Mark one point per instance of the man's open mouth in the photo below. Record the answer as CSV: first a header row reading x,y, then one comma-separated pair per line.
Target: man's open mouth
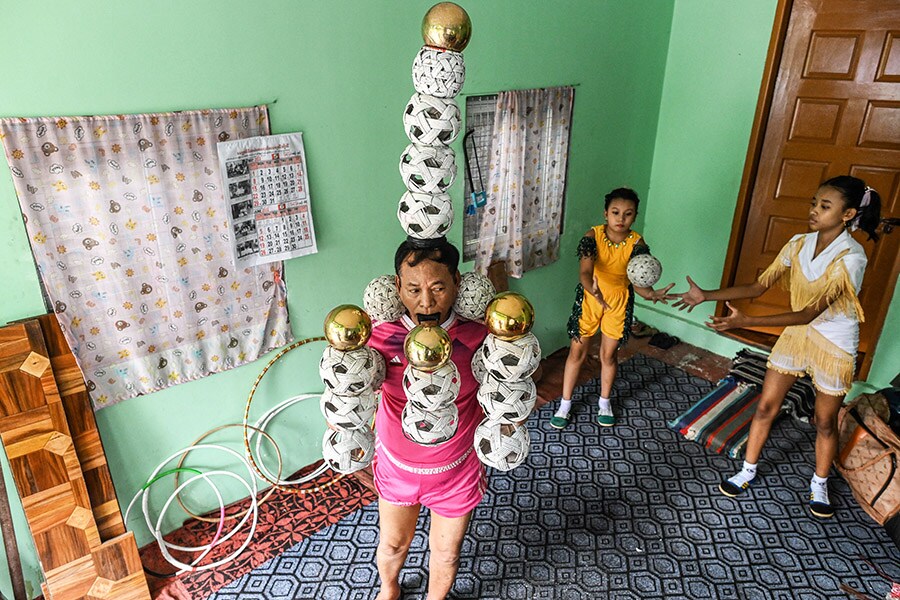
x,y
436,317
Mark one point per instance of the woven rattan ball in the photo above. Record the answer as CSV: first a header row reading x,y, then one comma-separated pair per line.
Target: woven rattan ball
x,y
428,169
511,360
347,373
381,299
431,121
348,451
501,446
438,73
432,390
425,216
429,427
475,293
507,401
644,270
348,412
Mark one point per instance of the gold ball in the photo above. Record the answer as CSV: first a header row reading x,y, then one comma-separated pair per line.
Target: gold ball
x,y
509,316
347,327
446,25
427,347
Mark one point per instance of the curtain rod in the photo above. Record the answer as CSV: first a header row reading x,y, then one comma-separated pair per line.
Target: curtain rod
x,y
574,85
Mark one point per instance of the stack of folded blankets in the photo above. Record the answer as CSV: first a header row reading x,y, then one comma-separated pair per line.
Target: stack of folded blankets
x,y
721,419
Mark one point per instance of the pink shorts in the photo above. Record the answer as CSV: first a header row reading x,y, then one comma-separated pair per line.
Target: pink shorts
x,y
450,493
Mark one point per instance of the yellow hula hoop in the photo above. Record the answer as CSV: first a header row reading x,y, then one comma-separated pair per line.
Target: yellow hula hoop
x,y
246,427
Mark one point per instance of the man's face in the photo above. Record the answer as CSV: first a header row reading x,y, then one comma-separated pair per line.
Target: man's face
x,y
427,290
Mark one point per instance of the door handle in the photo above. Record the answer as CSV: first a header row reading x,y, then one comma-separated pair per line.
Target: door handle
x,y
888,224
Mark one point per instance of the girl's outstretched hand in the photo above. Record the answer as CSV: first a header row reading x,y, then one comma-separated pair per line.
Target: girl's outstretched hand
x,y
689,299
597,294
734,320
661,295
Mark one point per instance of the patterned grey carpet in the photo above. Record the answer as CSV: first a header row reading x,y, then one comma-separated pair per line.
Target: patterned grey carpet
x,y
631,511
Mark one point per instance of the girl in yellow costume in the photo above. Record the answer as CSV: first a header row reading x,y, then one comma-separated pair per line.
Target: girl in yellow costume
x,y
604,299
823,270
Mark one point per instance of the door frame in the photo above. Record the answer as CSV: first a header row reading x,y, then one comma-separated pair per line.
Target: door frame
x,y
751,170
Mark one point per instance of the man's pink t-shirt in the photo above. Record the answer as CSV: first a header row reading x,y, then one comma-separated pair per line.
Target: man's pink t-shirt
x,y
387,338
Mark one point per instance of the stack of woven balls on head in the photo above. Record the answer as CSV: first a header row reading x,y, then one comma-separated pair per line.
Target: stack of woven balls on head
x,y
503,365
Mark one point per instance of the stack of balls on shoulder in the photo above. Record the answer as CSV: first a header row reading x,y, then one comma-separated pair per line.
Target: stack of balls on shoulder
x,y
503,365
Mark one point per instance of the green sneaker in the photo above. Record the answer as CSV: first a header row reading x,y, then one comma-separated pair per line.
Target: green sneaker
x,y
558,422
606,419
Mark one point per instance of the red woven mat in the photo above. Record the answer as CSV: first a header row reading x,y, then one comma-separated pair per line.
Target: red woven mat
x,y
284,520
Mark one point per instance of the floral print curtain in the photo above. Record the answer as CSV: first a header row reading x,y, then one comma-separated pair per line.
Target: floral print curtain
x,y
127,223
526,181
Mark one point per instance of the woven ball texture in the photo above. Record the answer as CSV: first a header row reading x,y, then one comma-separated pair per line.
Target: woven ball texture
x,y
475,292
381,299
347,372
644,270
501,446
511,360
507,401
429,427
438,73
348,412
348,451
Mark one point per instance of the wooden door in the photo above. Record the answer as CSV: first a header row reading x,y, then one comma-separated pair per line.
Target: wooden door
x,y
834,110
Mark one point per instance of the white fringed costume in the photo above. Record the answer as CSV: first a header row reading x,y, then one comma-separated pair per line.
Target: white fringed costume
x,y
826,347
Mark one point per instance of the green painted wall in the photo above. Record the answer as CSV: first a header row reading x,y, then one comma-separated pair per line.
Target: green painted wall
x,y
340,72
713,73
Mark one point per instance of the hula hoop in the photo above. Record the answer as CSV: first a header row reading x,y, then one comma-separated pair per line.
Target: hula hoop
x,y
262,500
246,425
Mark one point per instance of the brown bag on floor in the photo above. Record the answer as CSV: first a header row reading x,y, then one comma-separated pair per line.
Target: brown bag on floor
x,y
869,456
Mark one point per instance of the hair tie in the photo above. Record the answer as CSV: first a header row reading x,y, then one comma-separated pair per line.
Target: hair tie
x,y
866,199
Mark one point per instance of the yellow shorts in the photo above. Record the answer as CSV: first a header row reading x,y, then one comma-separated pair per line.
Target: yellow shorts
x,y
801,349
610,322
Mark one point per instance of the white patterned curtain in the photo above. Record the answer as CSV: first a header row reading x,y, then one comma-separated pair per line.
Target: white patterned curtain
x,y
526,183
127,222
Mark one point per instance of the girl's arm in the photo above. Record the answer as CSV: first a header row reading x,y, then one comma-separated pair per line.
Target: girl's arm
x,y
695,295
589,281
660,295
587,253
736,319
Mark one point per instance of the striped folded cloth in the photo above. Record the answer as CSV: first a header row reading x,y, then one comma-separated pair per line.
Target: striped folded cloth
x,y
721,419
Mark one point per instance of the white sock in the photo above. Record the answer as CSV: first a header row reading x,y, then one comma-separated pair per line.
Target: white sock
x,y
564,407
818,488
604,406
745,475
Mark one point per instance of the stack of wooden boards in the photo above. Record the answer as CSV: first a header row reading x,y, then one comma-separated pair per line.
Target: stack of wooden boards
x,y
48,430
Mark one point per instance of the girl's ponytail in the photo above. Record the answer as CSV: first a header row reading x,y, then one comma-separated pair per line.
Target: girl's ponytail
x,y
864,199
869,216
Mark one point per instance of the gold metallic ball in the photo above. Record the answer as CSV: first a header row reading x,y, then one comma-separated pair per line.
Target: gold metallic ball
x,y
446,25
509,316
347,327
427,347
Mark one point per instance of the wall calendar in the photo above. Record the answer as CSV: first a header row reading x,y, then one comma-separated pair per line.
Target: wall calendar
x,y
267,192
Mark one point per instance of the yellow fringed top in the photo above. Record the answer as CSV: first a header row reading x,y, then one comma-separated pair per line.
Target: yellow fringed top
x,y
834,285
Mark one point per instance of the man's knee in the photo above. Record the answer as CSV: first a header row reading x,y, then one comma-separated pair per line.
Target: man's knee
x,y
394,545
445,556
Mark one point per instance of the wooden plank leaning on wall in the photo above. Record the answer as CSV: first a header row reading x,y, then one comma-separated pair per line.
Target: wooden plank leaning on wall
x,y
48,431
